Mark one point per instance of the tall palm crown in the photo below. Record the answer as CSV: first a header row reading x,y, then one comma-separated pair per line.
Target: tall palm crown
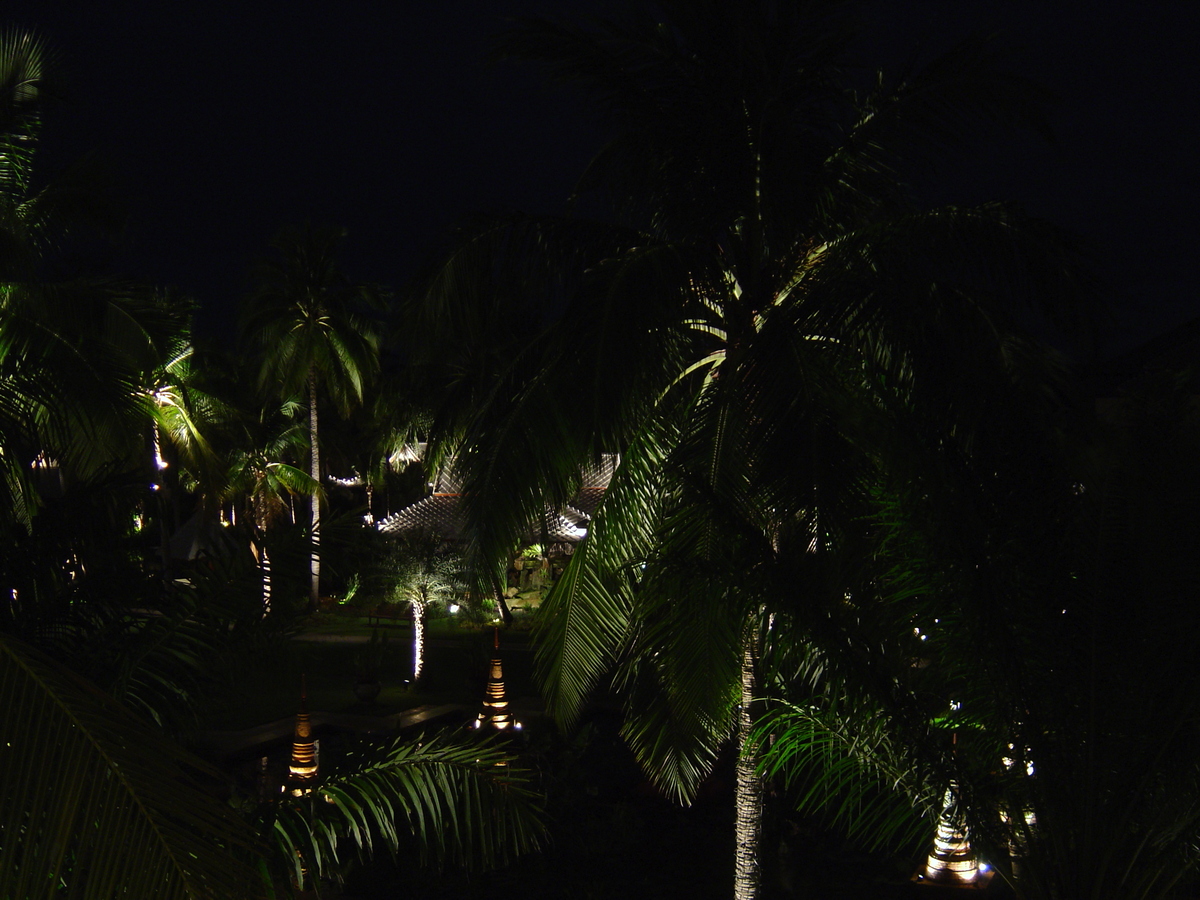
x,y
761,217
766,294
307,322
754,193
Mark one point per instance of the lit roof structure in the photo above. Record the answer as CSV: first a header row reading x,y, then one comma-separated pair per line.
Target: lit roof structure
x,y
441,512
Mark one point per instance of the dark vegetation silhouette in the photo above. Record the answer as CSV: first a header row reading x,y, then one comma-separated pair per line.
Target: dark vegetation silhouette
x,y
872,542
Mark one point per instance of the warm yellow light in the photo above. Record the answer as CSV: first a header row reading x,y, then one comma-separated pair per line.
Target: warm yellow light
x,y
952,860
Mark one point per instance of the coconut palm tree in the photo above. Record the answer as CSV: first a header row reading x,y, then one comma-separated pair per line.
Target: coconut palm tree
x,y
260,475
440,790
307,324
766,293
419,569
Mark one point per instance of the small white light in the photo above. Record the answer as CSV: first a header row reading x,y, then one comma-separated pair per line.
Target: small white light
x,y
453,608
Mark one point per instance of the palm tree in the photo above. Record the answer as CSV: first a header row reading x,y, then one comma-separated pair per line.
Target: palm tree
x,y
259,473
767,291
306,322
419,569
184,420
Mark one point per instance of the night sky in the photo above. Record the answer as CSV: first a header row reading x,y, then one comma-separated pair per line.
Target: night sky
x,y
386,118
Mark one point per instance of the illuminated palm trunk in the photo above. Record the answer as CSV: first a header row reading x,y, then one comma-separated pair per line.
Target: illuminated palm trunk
x,y
264,563
164,536
314,598
418,611
261,512
748,798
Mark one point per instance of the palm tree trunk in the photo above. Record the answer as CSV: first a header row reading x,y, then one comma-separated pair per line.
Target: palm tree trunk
x,y
748,798
264,563
505,612
418,620
258,546
314,598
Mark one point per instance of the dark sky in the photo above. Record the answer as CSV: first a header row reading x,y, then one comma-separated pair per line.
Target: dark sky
x,y
384,117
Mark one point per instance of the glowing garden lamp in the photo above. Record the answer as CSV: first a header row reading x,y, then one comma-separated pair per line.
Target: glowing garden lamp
x,y
303,766
495,705
951,861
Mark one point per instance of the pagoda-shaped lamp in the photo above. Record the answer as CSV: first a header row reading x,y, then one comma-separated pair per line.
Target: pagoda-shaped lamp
x,y
303,766
951,861
495,712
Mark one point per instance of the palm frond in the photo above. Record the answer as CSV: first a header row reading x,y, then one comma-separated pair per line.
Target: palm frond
x,y
583,623
464,802
102,805
846,764
23,56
